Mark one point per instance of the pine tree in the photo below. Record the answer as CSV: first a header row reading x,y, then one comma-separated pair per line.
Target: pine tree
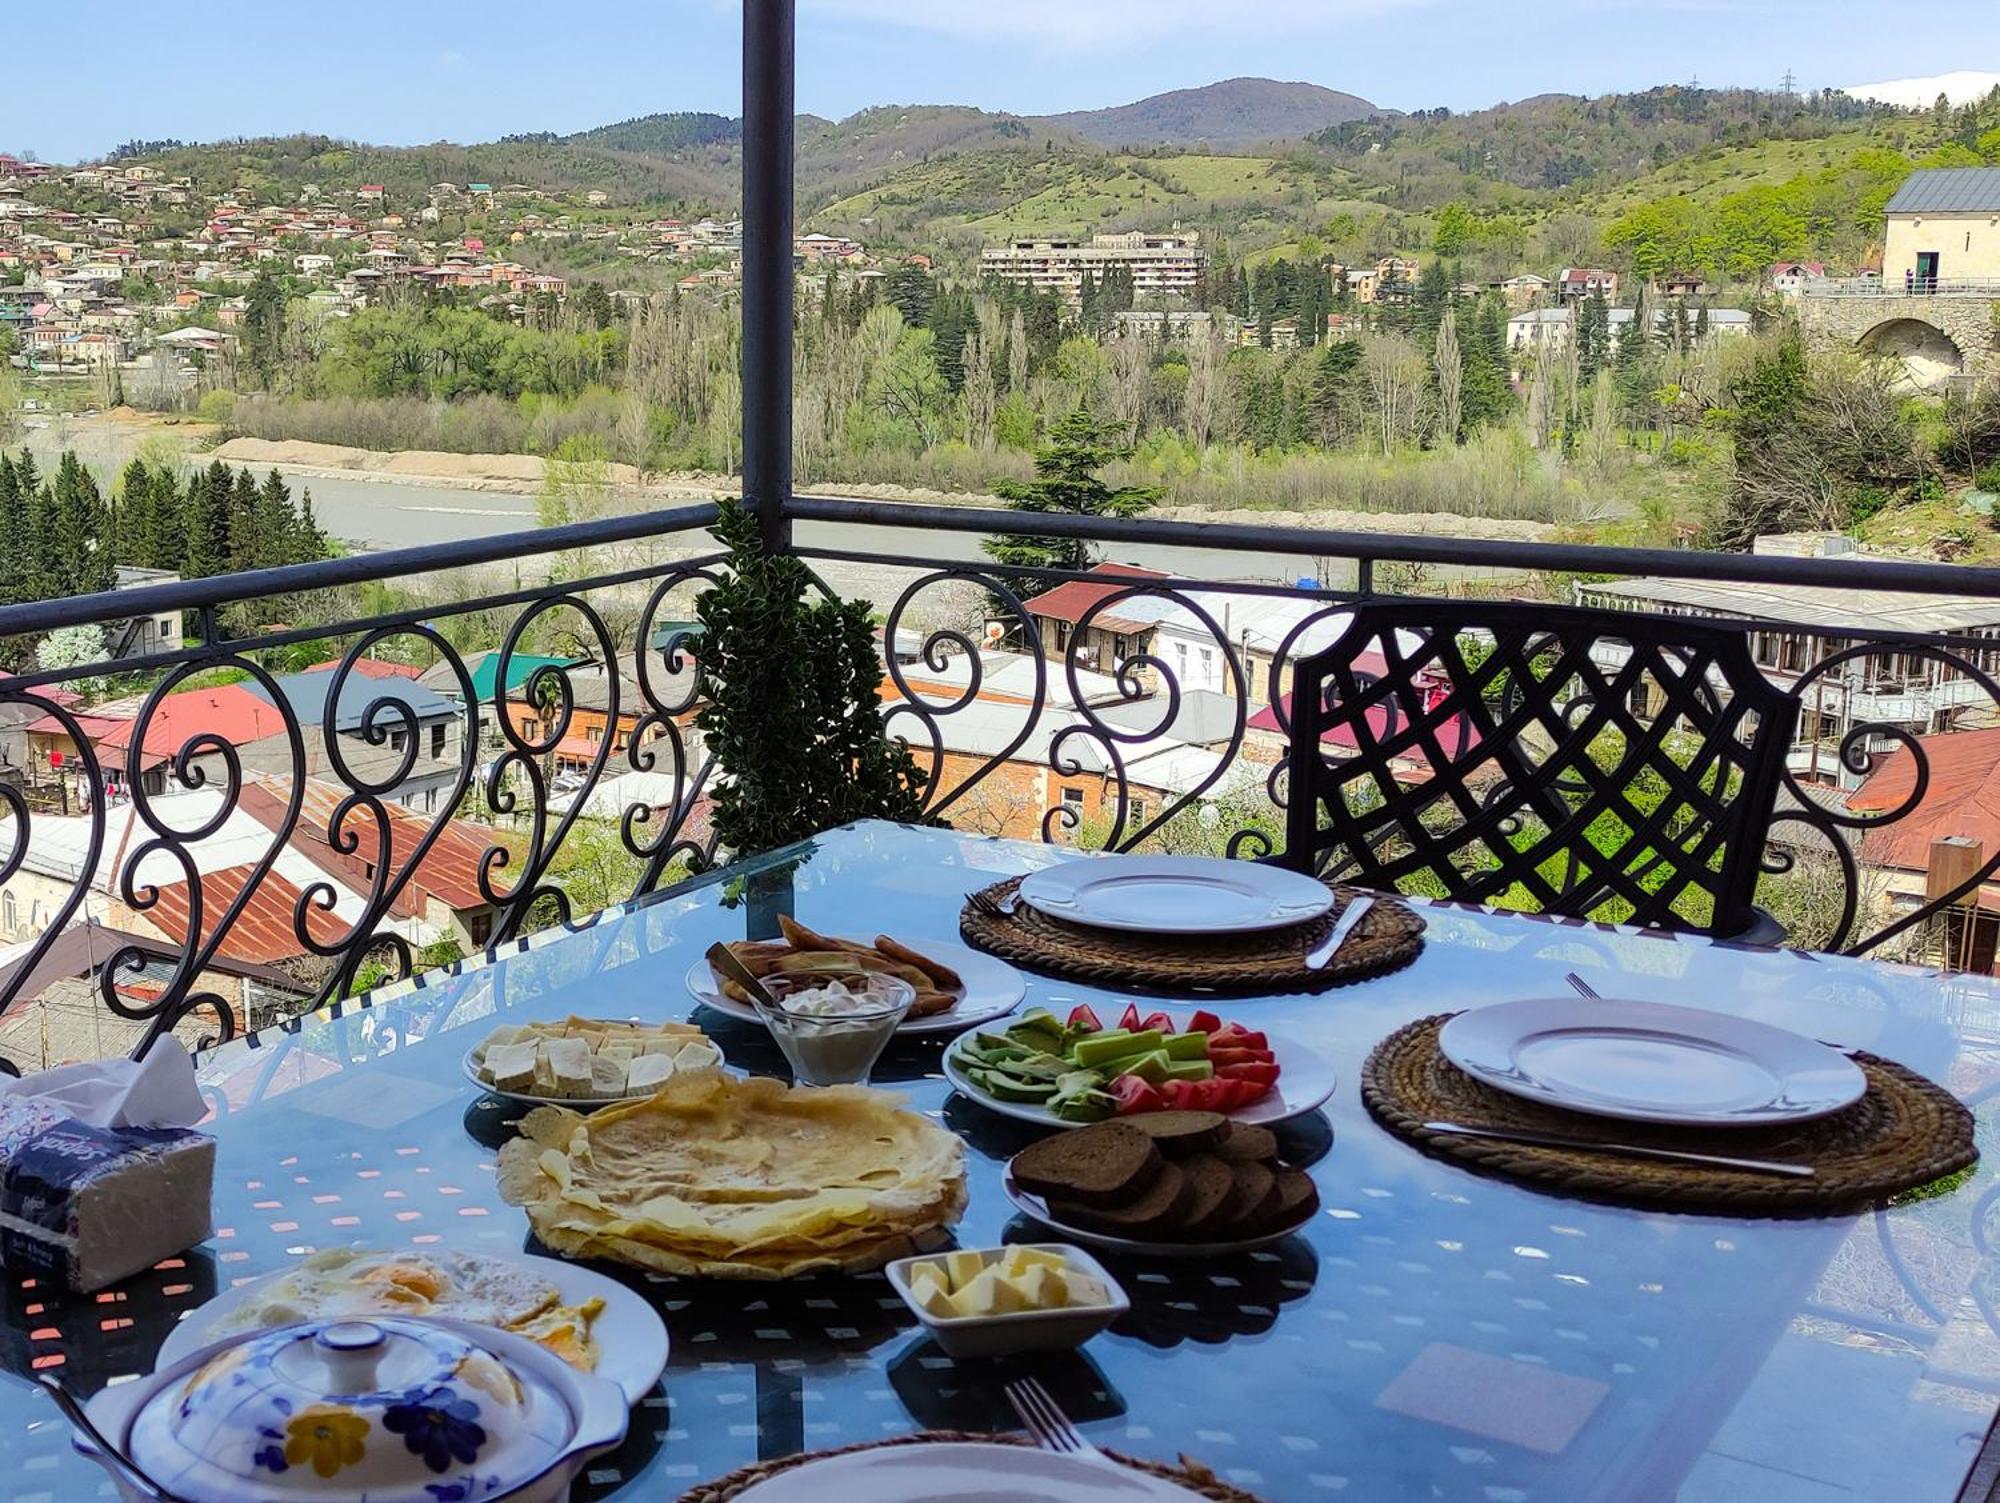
x,y
13,531
311,541
1066,482
247,547
80,560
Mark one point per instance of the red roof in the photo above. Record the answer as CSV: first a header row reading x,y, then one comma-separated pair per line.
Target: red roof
x,y
228,710
1963,798
1457,736
449,871
263,933
1069,600
370,668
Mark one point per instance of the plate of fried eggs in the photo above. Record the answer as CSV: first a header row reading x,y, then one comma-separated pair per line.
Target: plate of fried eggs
x,y
594,1323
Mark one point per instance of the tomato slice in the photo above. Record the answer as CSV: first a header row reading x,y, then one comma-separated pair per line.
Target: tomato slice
x,y
1157,1020
1257,1072
1240,1093
1233,1037
1129,1018
1204,1021
1180,1094
1136,1095
1082,1017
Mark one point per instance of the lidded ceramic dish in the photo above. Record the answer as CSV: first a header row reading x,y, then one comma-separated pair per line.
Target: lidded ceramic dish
x,y
394,1410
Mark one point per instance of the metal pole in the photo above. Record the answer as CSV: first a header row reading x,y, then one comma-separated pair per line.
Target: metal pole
x,y
769,28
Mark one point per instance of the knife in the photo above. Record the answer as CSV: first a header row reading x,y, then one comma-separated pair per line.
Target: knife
x,y
1628,1150
725,964
1351,915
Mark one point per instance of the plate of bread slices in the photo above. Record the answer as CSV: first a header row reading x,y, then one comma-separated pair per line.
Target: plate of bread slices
x,y
587,1062
1175,1184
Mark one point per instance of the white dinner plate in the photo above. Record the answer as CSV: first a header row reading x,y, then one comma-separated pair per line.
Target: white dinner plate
x,y
966,1471
631,1337
1036,1209
1176,894
1306,1080
575,1103
993,989
1651,1062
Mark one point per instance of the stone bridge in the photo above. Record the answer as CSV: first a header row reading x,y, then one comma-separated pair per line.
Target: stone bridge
x,y
1936,337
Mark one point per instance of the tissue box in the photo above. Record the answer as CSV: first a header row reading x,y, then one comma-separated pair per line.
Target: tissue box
x,y
86,1206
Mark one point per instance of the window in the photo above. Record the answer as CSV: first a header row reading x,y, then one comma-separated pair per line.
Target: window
x,y
1138,813
437,739
10,912
479,928
594,735
1073,799
1062,636
395,741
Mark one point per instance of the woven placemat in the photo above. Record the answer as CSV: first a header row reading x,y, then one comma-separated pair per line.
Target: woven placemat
x,y
1903,1133
1190,1474
1388,937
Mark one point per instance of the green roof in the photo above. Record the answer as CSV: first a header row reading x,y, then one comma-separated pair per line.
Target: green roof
x,y
519,667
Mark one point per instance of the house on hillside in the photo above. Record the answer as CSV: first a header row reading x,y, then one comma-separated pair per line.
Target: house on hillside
x,y
1952,832
1115,633
398,709
1943,229
1575,283
1791,279
1529,290
1807,624
226,712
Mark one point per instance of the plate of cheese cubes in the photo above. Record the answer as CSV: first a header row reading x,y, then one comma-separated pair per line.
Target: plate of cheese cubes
x,y
1022,1298
587,1061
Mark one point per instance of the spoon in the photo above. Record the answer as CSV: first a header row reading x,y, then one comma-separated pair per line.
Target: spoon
x,y
726,964
125,1470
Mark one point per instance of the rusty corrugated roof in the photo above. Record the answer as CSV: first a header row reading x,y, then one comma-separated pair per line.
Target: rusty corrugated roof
x,y
263,933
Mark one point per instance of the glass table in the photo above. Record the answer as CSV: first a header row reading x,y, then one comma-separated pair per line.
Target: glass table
x,y
1432,1333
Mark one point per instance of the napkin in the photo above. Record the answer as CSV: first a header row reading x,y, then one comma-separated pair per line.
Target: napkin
x,y
157,1091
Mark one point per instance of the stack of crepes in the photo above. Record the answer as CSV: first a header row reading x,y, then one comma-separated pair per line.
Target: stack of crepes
x,y
738,1179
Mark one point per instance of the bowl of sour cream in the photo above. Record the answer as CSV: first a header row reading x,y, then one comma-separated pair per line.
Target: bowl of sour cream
x,y
832,1029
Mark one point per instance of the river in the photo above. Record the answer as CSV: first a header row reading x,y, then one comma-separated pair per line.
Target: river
x,y
378,513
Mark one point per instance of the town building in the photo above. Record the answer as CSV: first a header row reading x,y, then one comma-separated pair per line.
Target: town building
x,y
1579,282
1941,229
1169,264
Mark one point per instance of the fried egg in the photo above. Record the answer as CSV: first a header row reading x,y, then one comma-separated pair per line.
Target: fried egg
x,y
347,1282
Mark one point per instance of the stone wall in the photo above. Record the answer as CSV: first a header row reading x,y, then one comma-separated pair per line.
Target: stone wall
x,y
1896,325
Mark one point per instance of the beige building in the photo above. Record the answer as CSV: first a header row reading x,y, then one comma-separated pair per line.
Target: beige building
x,y
1943,230
1160,264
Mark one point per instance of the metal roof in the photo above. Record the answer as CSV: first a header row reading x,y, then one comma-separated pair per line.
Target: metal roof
x,y
1947,190
1821,609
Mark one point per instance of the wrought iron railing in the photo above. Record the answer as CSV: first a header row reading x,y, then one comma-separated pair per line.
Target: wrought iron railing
x,y
1019,741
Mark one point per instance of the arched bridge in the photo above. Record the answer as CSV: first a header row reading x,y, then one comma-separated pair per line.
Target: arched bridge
x,y
1935,337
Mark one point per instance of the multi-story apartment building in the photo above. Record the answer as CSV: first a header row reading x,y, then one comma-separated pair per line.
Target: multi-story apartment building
x,y
1159,264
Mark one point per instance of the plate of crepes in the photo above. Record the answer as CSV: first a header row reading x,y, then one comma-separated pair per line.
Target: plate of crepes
x,y
957,986
722,1177
1171,1184
593,1323
1063,1074
587,1061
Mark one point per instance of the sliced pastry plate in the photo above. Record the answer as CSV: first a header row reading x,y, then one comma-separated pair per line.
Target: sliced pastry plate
x,y
963,1472
1306,1081
1036,1209
470,1065
993,989
631,1338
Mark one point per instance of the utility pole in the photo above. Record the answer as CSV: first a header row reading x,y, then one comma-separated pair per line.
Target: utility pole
x,y
1791,82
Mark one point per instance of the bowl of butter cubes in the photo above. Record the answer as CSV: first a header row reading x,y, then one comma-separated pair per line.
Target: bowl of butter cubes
x,y
587,1061
994,1302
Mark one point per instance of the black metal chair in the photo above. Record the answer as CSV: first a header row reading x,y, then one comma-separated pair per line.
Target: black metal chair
x,y
1594,764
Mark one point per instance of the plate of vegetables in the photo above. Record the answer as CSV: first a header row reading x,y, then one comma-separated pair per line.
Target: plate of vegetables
x,y
1075,1071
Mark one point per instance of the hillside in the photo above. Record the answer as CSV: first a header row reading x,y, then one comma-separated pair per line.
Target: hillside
x,y
1514,153
1235,113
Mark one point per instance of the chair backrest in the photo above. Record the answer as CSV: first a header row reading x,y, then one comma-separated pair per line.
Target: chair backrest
x,y
1598,764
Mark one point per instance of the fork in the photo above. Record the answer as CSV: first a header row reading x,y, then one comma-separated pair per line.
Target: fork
x,y
1043,1419
984,902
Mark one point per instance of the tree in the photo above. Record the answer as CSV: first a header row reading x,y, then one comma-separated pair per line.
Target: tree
x,y
912,290
1066,483
1450,380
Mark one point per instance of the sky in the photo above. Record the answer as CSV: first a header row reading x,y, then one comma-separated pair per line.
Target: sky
x,y
404,71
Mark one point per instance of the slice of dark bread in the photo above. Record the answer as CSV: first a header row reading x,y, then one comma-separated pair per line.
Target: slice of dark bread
x,y
1251,1202
1149,1218
1298,1198
1214,1182
1245,1143
1180,1133
1105,1164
